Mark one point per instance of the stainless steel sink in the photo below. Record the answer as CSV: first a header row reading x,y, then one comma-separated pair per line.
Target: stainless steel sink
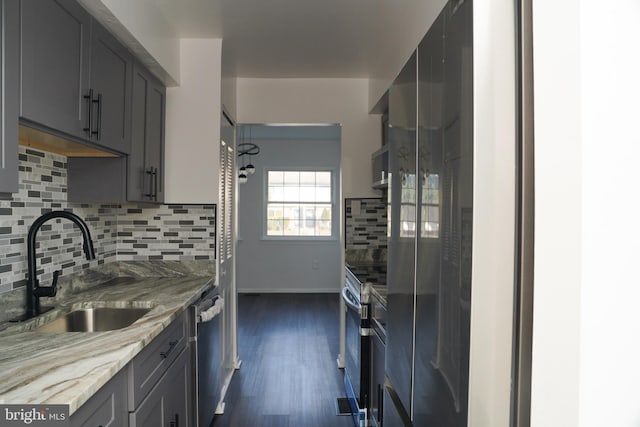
x,y
94,320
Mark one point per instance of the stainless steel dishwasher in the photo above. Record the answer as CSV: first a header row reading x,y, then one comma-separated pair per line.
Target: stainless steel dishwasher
x,y
204,345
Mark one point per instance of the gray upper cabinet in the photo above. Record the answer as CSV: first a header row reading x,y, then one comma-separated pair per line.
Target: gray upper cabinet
x,y
76,77
146,159
9,65
138,177
111,73
55,43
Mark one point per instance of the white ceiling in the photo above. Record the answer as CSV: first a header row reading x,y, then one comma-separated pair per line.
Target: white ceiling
x,y
294,38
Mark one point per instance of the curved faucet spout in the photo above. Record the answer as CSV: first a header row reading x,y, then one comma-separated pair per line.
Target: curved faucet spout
x,y
33,292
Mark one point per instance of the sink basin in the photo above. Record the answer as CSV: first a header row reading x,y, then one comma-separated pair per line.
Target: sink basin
x,y
94,320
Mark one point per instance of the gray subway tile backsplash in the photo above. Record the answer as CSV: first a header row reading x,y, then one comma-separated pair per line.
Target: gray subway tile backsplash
x,y
120,232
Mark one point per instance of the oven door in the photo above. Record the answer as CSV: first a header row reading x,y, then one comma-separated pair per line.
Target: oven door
x,y
356,348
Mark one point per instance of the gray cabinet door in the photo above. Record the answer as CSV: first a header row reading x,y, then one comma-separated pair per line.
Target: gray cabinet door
x,y
111,73
155,136
138,177
55,37
166,405
138,180
150,413
146,159
107,408
9,84
177,396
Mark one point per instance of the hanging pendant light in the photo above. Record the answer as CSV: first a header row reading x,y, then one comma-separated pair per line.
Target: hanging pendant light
x,y
251,169
247,149
242,175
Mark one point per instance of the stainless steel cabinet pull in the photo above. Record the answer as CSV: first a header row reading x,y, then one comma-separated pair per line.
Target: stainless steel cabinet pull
x,y
172,345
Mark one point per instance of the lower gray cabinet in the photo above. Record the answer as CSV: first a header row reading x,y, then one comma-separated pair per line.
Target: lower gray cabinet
x,y
178,402
151,391
168,402
106,408
159,378
146,369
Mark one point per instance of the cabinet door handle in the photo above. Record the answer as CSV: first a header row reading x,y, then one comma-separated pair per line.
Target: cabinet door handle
x,y
98,131
172,345
89,99
149,172
155,184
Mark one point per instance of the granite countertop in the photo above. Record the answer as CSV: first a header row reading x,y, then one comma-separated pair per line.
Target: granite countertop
x,y
68,368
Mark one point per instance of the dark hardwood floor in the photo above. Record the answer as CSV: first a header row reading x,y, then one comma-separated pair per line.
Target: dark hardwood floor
x,y
288,344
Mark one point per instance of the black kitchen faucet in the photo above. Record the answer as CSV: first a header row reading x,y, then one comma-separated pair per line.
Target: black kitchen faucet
x,y
34,290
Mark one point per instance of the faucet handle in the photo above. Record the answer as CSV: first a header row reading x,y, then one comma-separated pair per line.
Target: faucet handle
x,y
54,283
48,291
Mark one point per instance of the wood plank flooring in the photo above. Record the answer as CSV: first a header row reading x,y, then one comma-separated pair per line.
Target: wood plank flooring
x,y
288,344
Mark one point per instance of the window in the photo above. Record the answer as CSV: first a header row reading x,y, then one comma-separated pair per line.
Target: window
x,y
408,204
430,205
299,203
430,209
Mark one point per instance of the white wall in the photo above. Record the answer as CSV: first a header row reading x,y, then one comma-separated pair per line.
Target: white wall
x,y
610,323
229,93
493,214
342,101
586,322
141,26
193,125
558,219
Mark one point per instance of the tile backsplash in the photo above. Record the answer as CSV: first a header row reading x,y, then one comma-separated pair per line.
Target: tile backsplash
x,y
168,233
125,232
365,223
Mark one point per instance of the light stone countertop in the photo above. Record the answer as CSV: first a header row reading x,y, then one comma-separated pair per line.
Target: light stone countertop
x,y
68,368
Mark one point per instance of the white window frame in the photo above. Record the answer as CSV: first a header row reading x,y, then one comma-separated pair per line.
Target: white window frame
x,y
335,217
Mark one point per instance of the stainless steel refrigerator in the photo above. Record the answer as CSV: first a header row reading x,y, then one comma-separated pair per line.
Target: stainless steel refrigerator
x,y
430,213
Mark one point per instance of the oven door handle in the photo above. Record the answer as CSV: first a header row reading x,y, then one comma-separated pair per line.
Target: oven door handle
x,y
351,300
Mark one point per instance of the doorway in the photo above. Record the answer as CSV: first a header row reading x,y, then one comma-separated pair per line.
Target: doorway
x,y
289,210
